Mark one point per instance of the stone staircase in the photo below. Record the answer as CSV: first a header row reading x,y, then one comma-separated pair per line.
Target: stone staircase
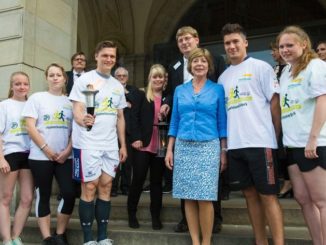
x,y
236,228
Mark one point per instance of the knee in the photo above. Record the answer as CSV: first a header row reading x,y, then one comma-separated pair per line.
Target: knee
x,y
250,193
5,198
26,200
302,198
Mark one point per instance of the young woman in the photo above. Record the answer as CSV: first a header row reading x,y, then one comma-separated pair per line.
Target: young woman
x,y
48,119
14,149
321,50
198,136
144,138
303,103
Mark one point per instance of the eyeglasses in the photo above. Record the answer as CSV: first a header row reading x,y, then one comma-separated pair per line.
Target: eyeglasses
x,y
79,59
121,75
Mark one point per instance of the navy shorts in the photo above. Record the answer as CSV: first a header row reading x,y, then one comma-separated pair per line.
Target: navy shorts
x,y
305,165
253,167
17,160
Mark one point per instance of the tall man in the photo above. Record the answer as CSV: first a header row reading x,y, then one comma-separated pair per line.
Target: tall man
x,y
253,112
96,152
124,171
78,63
187,40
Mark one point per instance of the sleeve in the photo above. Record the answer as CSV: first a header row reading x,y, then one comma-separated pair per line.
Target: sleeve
x,y
76,93
175,118
31,108
135,117
221,113
268,81
122,102
3,118
317,81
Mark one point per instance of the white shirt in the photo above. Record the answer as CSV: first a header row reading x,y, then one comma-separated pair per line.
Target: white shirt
x,y
109,99
53,116
298,101
13,127
249,88
186,75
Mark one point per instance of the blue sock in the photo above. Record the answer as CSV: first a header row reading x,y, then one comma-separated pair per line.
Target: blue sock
x,y
86,216
102,214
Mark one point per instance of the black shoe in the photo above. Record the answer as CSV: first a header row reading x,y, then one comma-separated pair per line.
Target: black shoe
x,y
156,224
147,188
133,222
181,227
217,227
287,194
225,195
61,239
114,193
49,241
166,189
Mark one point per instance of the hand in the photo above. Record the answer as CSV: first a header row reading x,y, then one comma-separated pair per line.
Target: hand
x,y
89,120
123,154
164,110
129,104
50,154
62,156
4,166
137,144
169,159
310,150
223,161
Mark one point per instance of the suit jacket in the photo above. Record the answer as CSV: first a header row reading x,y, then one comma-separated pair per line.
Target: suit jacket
x,y
70,81
142,119
175,71
131,97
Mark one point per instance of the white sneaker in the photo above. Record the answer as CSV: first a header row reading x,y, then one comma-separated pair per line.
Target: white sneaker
x,y
8,243
91,243
105,242
17,241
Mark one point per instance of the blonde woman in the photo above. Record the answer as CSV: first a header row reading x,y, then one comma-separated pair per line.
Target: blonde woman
x,y
144,141
14,150
303,103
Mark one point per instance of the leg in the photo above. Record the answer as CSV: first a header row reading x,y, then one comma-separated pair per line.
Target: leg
x,y
140,167
192,214
310,211
26,185
182,226
156,176
273,213
256,215
7,185
206,219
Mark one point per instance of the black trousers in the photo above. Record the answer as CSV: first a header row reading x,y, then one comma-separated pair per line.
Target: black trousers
x,y
142,161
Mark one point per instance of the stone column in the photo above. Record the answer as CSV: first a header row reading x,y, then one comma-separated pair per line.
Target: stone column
x,y
34,34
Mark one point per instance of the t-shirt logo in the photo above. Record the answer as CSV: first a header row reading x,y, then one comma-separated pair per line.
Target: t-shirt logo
x,y
58,120
237,98
289,106
106,107
18,128
59,115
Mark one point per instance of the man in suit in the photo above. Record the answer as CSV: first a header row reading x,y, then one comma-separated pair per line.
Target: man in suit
x,y
78,62
187,40
125,169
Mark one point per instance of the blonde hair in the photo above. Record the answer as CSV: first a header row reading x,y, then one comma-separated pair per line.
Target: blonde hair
x,y
156,69
186,30
308,53
64,90
201,52
12,80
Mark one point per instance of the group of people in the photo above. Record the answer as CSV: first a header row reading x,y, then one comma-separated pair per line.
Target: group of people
x,y
221,117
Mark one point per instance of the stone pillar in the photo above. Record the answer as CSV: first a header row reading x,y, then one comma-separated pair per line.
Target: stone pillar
x,y
35,33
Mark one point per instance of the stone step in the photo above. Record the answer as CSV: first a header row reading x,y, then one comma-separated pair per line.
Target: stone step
x,y
123,235
234,211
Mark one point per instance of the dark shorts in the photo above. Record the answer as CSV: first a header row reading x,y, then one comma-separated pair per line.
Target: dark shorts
x,y
296,156
17,160
253,167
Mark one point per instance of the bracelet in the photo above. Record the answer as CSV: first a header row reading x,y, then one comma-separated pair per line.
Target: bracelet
x,y
43,146
224,149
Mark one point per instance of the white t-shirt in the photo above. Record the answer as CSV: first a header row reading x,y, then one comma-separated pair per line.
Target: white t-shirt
x,y
13,127
53,116
249,87
109,99
298,101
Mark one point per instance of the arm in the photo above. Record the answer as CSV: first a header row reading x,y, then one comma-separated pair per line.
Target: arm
x,y
317,123
38,139
121,127
4,165
169,153
135,121
80,116
276,114
223,156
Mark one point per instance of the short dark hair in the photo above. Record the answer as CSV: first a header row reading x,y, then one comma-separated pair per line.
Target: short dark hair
x,y
75,55
105,44
231,28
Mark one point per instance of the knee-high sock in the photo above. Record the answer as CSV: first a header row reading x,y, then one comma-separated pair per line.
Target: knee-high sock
x,y
86,216
102,214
